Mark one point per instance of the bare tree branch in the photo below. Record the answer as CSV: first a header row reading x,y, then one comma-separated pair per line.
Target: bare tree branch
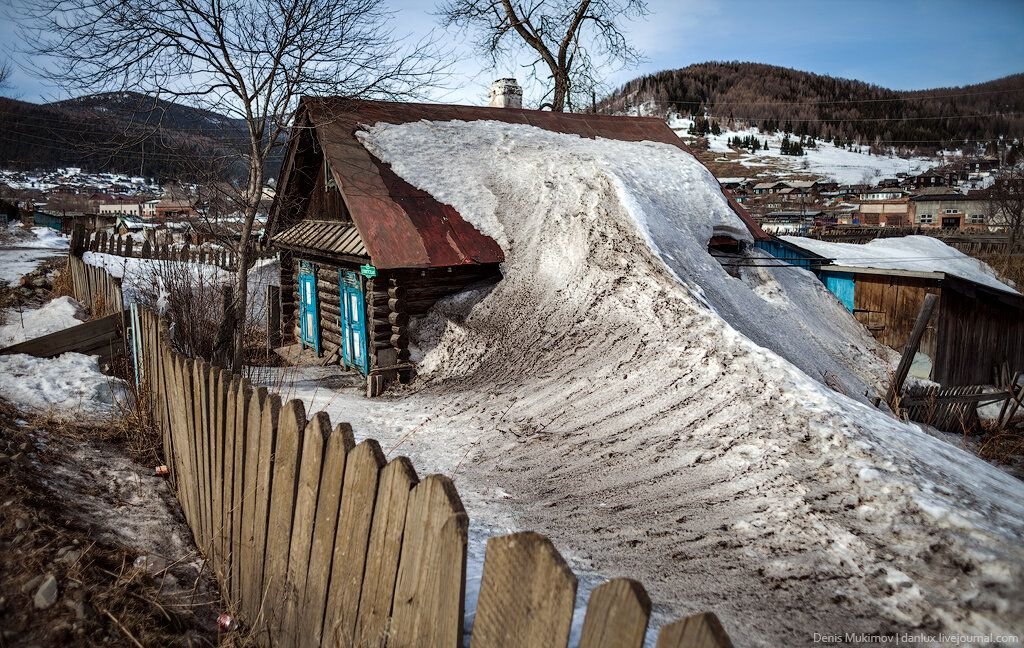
x,y
575,41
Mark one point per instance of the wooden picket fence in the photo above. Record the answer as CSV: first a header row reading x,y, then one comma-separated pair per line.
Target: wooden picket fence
x,y
319,541
96,288
83,240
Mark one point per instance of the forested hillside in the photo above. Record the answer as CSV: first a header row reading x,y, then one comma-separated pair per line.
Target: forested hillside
x,y
775,98
123,132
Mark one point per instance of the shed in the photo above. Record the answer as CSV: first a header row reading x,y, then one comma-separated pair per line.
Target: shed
x,y
974,329
363,251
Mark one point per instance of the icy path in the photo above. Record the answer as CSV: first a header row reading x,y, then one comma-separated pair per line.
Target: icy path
x,y
614,392
21,253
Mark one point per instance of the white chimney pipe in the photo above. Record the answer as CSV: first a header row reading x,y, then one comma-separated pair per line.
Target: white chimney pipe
x,y
506,93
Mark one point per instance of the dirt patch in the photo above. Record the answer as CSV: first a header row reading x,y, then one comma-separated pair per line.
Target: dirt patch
x,y
35,289
93,548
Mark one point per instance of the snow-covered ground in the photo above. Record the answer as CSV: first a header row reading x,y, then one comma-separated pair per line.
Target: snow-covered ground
x,y
660,419
914,253
56,315
68,386
23,251
839,164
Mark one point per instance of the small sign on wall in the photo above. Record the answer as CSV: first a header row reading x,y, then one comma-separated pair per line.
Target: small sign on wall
x,y
368,271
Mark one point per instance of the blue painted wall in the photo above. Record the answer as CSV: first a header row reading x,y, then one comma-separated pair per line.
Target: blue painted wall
x,y
788,253
842,285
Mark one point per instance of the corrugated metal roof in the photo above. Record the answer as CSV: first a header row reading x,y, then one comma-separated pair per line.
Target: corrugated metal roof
x,y
404,227
328,236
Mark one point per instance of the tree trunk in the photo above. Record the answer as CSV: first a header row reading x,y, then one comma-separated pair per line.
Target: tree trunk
x,y
252,203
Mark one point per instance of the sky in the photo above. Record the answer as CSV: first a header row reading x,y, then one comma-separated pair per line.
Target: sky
x,y
899,44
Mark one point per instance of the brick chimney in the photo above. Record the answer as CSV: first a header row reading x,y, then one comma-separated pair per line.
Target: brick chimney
x,y
506,93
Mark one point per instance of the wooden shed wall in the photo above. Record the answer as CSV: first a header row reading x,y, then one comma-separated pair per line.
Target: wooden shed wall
x,y
979,330
888,307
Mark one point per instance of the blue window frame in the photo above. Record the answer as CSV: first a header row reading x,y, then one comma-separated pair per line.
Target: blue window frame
x,y
309,315
353,321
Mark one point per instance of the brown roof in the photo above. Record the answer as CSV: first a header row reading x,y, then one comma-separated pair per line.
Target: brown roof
x,y
404,227
327,236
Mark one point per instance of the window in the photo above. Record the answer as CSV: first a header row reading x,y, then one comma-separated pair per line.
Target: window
x,y
976,219
952,211
926,219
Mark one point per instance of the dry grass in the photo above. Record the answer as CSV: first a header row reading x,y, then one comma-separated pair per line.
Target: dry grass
x,y
1007,266
63,286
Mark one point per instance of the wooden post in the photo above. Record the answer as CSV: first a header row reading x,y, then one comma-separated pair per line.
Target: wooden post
x,y
617,615
273,317
698,631
911,348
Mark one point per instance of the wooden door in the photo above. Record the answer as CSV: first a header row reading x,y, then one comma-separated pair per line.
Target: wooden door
x,y
309,317
353,321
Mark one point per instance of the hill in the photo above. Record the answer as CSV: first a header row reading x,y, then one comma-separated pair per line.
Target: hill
x,y
776,98
126,132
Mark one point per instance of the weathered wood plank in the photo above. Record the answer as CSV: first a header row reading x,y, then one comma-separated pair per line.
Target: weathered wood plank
x,y
314,443
253,469
284,482
338,447
526,595
431,584
617,615
201,385
357,500
228,483
238,482
385,547
697,631
268,436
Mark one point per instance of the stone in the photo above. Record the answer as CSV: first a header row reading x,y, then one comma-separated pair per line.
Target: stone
x,y
69,557
20,524
46,595
32,584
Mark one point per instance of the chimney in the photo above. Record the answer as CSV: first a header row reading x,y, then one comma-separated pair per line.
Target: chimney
x,y
506,93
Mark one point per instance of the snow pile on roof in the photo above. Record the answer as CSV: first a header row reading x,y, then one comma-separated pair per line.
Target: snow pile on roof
x,y
914,253
56,315
613,397
70,385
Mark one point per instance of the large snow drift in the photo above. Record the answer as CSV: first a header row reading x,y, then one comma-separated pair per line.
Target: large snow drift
x,y
624,406
915,253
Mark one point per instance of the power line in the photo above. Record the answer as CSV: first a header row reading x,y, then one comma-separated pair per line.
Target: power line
x,y
825,101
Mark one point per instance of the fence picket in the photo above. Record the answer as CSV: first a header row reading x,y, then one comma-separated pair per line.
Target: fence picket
x,y
264,465
617,615
697,631
243,398
431,584
338,447
258,403
357,499
314,443
290,431
396,482
526,595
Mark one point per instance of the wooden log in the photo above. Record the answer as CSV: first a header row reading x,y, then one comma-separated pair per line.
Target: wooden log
x,y
357,501
908,352
337,449
396,292
385,546
526,595
617,615
273,316
431,584
698,631
398,319
399,340
396,305
290,432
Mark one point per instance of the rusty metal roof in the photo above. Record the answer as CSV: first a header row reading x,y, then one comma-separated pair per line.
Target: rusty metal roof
x,y
404,227
327,236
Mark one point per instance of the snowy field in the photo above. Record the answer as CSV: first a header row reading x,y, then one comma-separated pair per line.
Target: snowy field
x,y
839,164
663,420
22,251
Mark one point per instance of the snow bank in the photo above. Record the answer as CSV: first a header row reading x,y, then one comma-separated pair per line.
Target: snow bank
x,y
56,315
611,386
70,385
140,277
915,253
22,253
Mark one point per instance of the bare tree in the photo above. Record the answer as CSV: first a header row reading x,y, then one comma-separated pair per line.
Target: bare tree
x,y
250,60
1006,203
5,74
573,40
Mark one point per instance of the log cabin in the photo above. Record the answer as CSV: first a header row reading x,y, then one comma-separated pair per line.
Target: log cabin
x,y
363,252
